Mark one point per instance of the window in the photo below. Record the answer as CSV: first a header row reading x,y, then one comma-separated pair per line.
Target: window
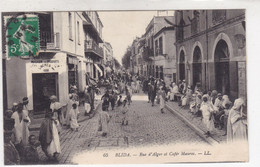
x,y
156,48
195,22
218,16
160,46
78,29
70,26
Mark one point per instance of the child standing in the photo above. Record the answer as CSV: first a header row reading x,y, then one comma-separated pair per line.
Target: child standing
x,y
198,104
162,97
226,105
119,101
73,114
193,107
129,93
105,101
103,122
207,111
124,111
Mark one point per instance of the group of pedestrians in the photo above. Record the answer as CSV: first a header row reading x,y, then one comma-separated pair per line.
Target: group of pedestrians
x,y
216,110
156,90
117,97
21,147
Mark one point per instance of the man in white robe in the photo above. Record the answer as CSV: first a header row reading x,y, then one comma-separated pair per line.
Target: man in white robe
x,y
21,126
237,122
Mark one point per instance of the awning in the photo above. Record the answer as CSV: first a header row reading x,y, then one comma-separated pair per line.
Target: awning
x,y
97,67
108,69
90,81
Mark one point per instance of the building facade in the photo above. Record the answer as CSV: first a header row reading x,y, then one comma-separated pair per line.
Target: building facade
x,y
61,61
108,58
211,50
165,54
93,46
134,56
155,25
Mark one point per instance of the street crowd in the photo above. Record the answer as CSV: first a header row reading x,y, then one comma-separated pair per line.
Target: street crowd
x,y
216,111
22,148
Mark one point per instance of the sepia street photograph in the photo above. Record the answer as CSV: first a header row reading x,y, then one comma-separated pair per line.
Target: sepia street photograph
x,y
116,87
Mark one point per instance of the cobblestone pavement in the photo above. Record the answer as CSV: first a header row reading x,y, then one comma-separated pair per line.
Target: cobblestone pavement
x,y
146,126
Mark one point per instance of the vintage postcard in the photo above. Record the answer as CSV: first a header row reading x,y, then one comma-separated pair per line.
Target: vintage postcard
x,y
124,87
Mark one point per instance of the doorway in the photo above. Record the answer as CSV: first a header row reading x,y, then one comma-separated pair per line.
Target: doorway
x,y
197,66
222,68
44,86
182,65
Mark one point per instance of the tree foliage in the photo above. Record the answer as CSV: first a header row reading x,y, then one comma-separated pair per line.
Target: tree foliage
x,y
117,64
126,59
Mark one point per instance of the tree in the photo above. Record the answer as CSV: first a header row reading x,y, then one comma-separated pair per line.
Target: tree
x,y
117,64
126,59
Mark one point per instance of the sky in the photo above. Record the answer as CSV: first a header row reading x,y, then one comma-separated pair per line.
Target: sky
x,y
122,27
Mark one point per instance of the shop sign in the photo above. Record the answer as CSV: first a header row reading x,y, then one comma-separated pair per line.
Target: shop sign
x,y
45,65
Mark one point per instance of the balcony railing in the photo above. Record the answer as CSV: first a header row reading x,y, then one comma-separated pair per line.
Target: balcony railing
x,y
91,46
49,40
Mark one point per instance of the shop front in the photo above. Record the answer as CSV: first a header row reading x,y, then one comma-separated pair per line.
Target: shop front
x,y
72,72
44,78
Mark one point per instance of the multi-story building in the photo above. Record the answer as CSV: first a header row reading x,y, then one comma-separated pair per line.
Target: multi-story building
x,y
165,54
62,59
133,58
155,25
140,63
108,57
93,45
211,50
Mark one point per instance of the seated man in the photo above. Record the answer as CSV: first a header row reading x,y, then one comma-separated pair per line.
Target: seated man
x,y
30,155
218,110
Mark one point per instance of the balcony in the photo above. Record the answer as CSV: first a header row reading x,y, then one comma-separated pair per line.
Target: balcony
x,y
49,41
92,49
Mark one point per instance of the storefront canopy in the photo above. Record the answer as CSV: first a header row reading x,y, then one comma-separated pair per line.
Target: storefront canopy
x,y
97,67
108,69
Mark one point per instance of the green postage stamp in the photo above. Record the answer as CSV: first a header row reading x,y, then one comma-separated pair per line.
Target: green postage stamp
x,y
22,34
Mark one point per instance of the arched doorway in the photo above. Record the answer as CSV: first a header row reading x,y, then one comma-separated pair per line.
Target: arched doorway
x,y
221,56
182,65
197,67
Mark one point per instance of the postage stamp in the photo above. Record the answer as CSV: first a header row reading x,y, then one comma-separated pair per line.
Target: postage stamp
x,y
22,32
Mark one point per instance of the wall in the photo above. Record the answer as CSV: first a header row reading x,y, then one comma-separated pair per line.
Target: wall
x,y
16,80
70,45
234,35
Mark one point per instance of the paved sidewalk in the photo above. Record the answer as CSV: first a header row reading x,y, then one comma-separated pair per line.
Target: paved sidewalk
x,y
196,123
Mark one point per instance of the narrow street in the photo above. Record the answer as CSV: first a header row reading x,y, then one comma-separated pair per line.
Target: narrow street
x,y
147,127
66,64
